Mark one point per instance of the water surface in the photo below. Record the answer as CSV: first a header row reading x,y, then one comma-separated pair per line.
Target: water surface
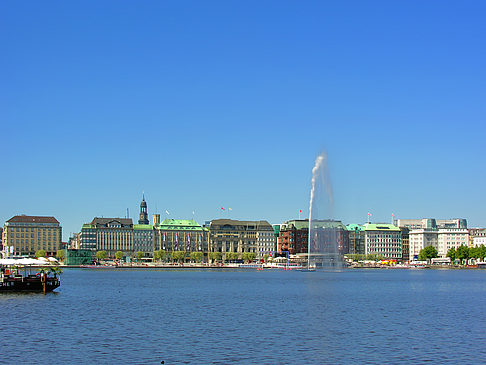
x,y
265,317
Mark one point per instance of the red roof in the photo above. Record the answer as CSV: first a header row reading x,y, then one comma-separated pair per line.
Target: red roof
x,y
32,219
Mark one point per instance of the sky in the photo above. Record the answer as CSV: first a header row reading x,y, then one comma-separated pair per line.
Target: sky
x,y
210,104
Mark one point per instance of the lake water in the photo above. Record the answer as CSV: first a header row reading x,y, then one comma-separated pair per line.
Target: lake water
x,y
258,317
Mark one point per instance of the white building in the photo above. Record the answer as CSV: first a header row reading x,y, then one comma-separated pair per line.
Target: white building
x,y
479,237
265,242
443,234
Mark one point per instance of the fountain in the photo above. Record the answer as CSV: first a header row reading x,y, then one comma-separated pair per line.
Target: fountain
x,y
323,241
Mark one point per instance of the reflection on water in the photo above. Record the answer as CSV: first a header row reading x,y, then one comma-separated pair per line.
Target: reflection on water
x,y
186,316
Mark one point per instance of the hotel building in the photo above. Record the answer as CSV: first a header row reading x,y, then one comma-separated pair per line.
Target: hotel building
x,y
383,239
23,235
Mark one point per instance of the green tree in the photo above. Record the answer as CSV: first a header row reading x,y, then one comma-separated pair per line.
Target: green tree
x,y
160,255
215,256
482,252
196,256
451,253
178,256
427,253
251,256
462,253
139,255
118,255
40,253
474,252
61,254
101,255
265,257
230,256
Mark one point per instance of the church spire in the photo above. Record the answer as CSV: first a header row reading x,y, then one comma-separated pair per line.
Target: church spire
x,y
143,211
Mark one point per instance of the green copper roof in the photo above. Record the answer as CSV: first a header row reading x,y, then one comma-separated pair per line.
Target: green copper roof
x,y
354,227
179,225
380,227
87,226
143,226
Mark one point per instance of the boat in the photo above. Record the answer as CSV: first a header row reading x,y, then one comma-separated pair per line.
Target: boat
x,y
15,278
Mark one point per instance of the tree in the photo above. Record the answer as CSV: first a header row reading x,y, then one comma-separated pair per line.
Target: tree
x,y
40,253
178,255
230,256
61,254
101,255
482,252
139,255
118,255
462,253
215,256
452,254
251,256
265,257
160,255
427,253
196,256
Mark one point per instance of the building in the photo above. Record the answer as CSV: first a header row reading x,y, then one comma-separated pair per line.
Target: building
x,y
356,239
180,235
112,235
24,235
294,237
87,237
384,240
405,244
331,235
442,234
144,239
477,237
265,240
228,235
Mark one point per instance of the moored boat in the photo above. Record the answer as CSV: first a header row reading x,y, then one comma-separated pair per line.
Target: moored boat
x,y
28,279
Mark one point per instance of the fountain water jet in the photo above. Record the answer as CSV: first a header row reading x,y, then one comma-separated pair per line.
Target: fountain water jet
x,y
322,245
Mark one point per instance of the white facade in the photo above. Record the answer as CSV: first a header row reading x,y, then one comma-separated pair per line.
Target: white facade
x,y
442,239
451,238
265,242
419,239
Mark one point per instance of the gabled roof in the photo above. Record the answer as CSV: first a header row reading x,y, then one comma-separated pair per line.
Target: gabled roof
x,y
32,219
104,221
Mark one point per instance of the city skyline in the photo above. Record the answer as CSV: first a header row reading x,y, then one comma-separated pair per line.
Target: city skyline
x,y
222,104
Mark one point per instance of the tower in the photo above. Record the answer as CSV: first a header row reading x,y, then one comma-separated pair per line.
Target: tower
x,y
143,211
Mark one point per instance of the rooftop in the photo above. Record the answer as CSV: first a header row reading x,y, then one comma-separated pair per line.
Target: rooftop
x,y
32,219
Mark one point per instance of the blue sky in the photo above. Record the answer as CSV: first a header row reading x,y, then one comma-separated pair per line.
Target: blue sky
x,y
227,103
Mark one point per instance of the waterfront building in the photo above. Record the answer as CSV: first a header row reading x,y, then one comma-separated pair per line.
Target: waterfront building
x,y
383,239
477,237
356,238
180,235
294,235
405,244
113,234
143,239
24,235
265,240
228,235
443,234
87,237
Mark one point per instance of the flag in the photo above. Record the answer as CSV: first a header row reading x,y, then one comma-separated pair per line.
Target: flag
x,y
230,209
222,208
167,212
369,214
300,210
